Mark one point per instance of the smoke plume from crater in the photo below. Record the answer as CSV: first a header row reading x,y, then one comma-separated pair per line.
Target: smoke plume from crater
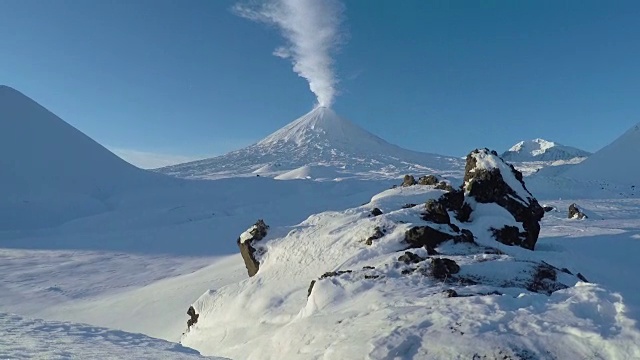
x,y
312,29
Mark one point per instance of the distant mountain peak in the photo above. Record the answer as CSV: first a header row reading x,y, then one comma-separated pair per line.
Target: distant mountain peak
x,y
542,150
322,126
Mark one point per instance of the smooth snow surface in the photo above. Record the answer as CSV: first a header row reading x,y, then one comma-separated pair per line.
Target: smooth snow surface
x,y
50,172
613,163
320,138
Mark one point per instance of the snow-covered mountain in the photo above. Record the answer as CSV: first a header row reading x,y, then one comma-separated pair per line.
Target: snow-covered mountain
x,y
51,171
324,141
542,150
613,163
532,155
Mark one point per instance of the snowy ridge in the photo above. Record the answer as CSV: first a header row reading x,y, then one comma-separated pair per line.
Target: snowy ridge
x,y
320,138
372,306
612,164
542,150
52,172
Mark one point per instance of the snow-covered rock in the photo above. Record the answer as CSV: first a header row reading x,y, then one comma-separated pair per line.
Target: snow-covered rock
x,y
320,144
324,290
489,180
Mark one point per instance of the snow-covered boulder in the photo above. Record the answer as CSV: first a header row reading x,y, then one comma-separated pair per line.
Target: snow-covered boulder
x,y
428,180
489,179
246,243
575,212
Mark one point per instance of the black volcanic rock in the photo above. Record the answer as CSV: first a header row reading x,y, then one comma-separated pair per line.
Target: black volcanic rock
x,y
489,179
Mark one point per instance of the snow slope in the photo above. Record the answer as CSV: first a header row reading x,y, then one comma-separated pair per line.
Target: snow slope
x,y
532,155
320,138
381,313
613,163
50,172
24,338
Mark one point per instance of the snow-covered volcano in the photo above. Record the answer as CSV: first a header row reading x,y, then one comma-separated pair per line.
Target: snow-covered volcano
x,y
542,150
50,171
319,138
613,163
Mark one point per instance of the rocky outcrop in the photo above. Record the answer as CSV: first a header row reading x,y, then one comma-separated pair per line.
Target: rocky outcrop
x,y
576,213
428,180
193,317
444,186
489,179
408,180
377,234
376,212
247,242
435,212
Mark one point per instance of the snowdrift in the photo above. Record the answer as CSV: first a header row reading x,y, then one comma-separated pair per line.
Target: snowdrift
x,y
349,284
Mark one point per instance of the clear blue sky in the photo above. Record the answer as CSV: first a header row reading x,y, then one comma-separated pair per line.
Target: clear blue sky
x,y
191,78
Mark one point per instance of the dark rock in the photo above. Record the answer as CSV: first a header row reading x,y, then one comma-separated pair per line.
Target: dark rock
x,y
454,201
407,206
248,251
334,273
427,180
451,293
576,213
410,258
376,212
425,236
408,180
431,251
435,212
566,271
510,235
407,271
313,282
442,268
544,280
193,317
548,208
378,234
582,278
444,186
368,276
368,267
489,186
466,236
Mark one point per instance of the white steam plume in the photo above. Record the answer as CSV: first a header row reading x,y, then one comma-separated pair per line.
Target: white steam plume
x,y
312,29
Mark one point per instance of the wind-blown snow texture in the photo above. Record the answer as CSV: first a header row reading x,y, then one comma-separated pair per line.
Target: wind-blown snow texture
x,y
384,312
320,138
24,338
